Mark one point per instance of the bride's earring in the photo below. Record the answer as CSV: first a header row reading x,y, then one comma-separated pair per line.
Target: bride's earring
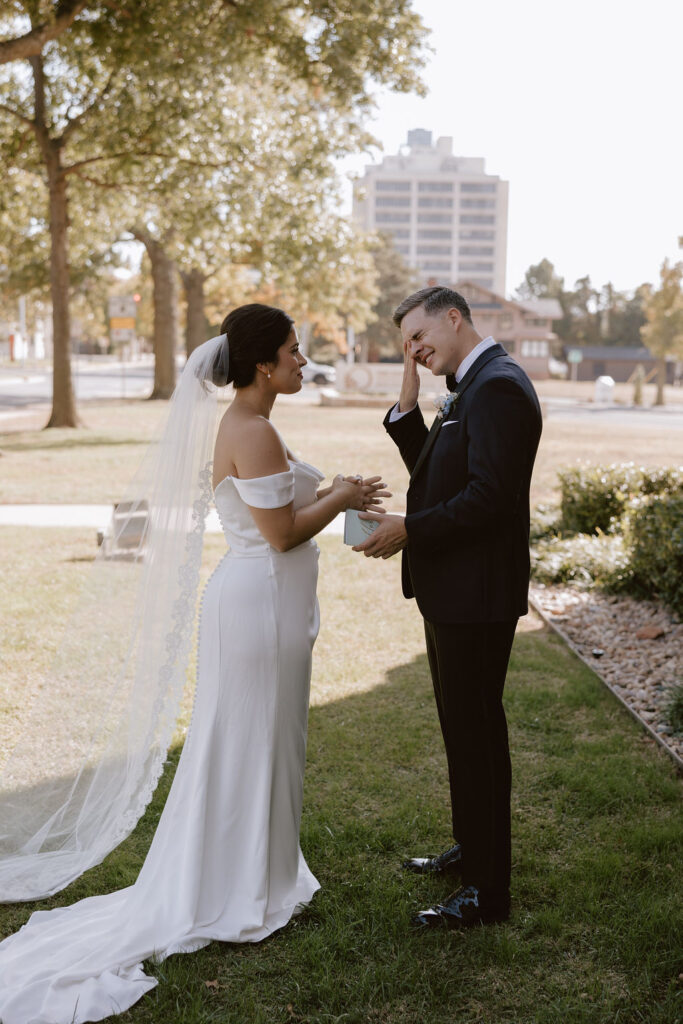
x,y
269,375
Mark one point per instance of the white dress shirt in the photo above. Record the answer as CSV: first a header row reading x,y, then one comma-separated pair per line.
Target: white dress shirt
x,y
468,361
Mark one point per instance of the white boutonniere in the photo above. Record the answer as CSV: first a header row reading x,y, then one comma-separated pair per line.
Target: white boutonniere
x,y
445,404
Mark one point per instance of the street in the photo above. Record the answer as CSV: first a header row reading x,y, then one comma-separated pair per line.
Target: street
x,y
22,388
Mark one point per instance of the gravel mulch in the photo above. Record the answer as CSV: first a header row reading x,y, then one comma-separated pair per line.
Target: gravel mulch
x,y
635,646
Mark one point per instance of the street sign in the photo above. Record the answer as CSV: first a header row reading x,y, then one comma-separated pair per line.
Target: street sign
x,y
122,335
122,306
574,355
118,323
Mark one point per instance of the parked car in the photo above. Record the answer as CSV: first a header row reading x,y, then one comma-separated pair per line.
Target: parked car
x,y
318,373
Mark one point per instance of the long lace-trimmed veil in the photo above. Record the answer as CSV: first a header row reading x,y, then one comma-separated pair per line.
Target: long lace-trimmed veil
x,y
95,741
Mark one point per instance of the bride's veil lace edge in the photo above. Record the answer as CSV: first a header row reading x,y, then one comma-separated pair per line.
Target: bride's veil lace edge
x,y
93,748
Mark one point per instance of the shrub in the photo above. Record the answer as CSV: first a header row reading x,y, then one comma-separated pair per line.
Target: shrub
x,y
674,707
585,560
654,536
594,498
545,522
619,527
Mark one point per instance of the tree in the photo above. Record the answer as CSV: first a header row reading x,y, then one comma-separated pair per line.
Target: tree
x,y
395,280
124,86
541,282
50,20
663,331
591,316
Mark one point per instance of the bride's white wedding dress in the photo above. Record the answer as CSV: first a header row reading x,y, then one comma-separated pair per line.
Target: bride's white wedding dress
x,y
225,861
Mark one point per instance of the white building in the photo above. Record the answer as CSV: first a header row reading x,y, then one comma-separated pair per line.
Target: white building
x,y
447,216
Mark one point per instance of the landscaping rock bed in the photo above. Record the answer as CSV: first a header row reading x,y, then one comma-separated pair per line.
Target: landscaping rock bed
x,y
636,647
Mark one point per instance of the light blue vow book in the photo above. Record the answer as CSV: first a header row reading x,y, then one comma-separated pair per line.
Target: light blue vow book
x,y
357,530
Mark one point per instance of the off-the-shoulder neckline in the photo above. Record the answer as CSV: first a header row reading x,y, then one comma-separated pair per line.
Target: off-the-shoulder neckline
x,y
269,476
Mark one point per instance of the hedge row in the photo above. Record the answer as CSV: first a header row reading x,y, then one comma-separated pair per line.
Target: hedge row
x,y
619,527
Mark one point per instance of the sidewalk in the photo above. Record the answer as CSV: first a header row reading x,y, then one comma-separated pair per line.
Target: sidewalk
x,y
97,517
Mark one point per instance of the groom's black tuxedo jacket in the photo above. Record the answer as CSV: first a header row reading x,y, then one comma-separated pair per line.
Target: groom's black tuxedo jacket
x,y
467,518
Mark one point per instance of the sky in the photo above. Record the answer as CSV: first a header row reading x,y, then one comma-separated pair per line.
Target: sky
x,y
579,106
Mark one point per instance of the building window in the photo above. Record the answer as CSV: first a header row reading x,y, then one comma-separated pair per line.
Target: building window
x,y
534,349
443,201
392,186
434,265
478,268
483,282
477,218
434,233
435,186
400,232
477,186
434,218
509,346
392,201
478,234
403,249
505,322
478,204
438,250
476,250
392,218
536,321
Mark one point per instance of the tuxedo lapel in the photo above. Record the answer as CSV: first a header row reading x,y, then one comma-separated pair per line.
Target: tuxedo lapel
x,y
484,358
427,446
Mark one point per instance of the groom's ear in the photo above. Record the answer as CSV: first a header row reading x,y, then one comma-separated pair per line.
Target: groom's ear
x,y
455,317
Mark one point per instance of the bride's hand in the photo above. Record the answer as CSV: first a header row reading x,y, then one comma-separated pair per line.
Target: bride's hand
x,y
373,490
373,493
350,488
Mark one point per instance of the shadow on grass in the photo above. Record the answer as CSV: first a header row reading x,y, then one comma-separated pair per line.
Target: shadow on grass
x,y
46,441
597,900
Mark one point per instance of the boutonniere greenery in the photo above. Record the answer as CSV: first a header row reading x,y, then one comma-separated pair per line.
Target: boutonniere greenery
x,y
445,404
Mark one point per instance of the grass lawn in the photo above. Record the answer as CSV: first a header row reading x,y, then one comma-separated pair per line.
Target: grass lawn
x,y
598,897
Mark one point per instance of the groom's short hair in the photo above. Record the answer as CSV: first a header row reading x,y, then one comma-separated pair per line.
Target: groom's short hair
x,y
433,300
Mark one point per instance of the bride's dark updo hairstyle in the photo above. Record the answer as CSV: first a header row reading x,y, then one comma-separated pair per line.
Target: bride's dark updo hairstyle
x,y
254,332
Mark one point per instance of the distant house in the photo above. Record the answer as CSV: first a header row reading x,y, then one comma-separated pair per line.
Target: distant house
x,y
524,327
617,362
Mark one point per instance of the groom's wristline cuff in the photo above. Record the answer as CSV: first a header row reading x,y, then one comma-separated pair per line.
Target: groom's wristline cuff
x,y
395,414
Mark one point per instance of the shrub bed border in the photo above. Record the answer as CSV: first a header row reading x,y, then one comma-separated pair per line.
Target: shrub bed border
x,y
540,611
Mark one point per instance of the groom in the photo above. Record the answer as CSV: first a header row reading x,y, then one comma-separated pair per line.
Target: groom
x,y
465,542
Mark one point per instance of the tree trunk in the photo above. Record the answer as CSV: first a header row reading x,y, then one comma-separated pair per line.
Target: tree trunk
x,y
196,326
63,404
661,380
166,325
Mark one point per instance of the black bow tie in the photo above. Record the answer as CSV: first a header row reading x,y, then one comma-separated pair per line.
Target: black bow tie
x,y
450,382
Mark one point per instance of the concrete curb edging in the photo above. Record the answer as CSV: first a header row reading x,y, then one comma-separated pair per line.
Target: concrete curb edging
x,y
591,665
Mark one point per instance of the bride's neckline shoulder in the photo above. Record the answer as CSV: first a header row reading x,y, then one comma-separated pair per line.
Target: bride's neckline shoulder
x,y
272,476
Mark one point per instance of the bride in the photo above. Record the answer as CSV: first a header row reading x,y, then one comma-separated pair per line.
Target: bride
x,y
225,861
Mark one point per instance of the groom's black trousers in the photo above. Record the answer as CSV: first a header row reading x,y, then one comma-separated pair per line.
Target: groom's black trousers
x,y
468,662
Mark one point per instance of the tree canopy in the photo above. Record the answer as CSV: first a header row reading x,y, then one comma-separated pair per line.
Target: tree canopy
x,y
127,95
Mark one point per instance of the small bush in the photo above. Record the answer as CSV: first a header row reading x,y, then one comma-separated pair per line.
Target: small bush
x,y
674,707
594,498
654,536
545,522
662,480
584,560
619,527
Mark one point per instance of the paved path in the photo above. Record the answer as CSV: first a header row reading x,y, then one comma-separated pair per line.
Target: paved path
x,y
97,517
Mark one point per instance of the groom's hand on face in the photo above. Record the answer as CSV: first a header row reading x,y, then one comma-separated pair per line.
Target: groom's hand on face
x,y
410,386
389,537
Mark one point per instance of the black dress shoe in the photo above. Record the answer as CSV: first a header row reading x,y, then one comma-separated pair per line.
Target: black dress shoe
x,y
462,909
447,863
